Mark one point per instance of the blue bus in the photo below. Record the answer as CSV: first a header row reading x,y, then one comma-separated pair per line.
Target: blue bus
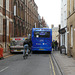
x,y
41,39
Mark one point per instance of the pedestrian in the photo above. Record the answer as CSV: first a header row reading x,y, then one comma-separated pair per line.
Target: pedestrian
x,y
53,45
26,47
56,45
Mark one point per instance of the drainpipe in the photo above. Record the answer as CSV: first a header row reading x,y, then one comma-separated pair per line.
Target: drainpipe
x,y
59,36
4,25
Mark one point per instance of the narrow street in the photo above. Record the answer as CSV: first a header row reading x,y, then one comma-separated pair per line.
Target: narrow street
x,y
36,64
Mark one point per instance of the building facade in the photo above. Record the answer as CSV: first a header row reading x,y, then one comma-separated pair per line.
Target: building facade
x,y
5,20
39,23
71,27
44,24
55,34
17,18
63,30
31,16
1,21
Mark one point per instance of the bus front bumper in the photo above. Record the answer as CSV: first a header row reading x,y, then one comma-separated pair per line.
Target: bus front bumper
x,y
41,49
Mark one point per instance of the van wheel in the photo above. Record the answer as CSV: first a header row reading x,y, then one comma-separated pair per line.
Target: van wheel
x,y
11,52
32,52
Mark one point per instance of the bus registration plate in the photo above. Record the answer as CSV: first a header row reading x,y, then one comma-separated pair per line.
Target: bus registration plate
x,y
18,50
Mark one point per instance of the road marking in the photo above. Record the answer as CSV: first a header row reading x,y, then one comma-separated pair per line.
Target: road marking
x,y
3,69
8,56
50,68
52,65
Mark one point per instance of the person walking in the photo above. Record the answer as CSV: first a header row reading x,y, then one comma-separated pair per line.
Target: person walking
x,y
56,45
53,45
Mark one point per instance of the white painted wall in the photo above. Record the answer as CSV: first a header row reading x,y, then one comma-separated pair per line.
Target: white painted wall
x,y
64,20
63,13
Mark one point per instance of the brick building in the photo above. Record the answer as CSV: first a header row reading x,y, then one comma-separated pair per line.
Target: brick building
x,y
31,15
1,21
44,24
5,20
17,18
71,27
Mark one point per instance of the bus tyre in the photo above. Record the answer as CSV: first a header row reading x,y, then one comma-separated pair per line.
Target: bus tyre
x,y
50,52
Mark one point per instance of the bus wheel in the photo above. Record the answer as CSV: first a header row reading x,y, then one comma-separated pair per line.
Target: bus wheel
x,y
50,52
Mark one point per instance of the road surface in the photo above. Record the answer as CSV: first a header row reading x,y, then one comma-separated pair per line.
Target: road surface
x,y
36,64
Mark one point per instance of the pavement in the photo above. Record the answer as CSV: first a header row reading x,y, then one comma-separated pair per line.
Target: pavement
x,y
65,64
6,54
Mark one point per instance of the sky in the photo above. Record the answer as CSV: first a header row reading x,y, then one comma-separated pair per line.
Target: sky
x,y
50,10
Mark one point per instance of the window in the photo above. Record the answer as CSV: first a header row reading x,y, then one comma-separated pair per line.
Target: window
x,y
43,34
14,10
63,39
17,43
71,36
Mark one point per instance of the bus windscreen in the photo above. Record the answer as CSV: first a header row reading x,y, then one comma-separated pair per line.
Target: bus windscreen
x,y
17,43
43,34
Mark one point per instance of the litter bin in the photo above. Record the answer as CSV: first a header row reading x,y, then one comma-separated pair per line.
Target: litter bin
x,y
62,49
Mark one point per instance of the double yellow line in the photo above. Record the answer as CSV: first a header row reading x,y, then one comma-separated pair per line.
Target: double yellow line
x,y
52,65
8,56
